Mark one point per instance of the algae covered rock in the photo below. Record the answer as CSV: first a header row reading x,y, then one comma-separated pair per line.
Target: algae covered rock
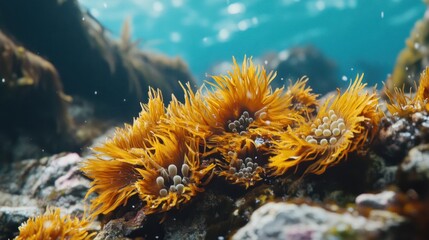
x,y
292,221
413,172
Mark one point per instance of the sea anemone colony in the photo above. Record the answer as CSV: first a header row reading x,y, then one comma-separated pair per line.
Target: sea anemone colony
x,y
237,129
51,225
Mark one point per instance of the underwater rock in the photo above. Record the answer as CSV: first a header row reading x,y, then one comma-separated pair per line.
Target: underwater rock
x,y
397,135
31,86
54,181
28,187
113,74
375,201
120,228
413,58
307,61
413,172
12,217
291,221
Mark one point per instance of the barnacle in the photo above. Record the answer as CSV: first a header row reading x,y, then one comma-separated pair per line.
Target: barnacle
x,y
114,170
51,225
344,123
403,105
173,172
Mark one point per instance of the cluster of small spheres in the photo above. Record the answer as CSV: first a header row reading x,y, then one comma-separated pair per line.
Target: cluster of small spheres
x,y
241,124
171,181
244,169
326,130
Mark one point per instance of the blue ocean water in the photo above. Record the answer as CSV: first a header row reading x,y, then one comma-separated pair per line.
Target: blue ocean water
x,y
357,34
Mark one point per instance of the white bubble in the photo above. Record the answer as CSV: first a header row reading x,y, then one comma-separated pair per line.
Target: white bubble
x,y
158,6
382,14
223,34
344,78
236,8
83,19
283,55
177,3
243,25
125,99
266,62
3,80
105,5
320,5
255,20
95,92
175,37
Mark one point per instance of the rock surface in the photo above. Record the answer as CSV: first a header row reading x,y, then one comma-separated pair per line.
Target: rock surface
x,y
28,187
413,172
291,221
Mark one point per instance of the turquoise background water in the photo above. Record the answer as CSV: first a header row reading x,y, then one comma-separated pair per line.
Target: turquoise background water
x,y
357,34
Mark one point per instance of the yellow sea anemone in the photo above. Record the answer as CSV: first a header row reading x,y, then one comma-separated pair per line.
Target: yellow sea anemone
x,y
51,225
173,172
404,106
114,170
244,99
302,99
345,123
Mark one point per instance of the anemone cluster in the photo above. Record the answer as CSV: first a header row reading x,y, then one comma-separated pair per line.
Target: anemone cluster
x,y
235,128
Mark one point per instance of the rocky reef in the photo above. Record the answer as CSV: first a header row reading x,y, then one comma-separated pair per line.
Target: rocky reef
x,y
238,158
